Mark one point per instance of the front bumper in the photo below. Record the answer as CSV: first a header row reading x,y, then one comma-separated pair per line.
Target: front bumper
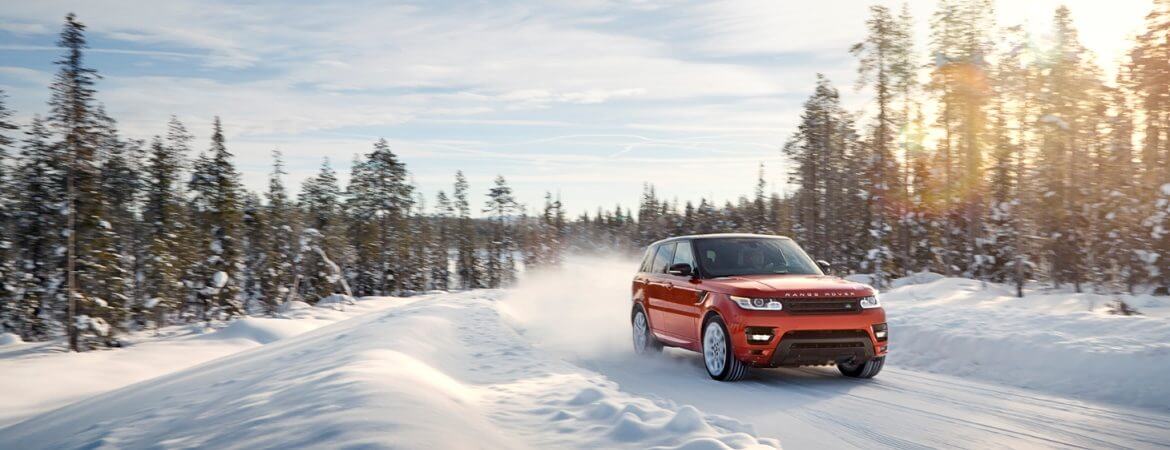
x,y
800,340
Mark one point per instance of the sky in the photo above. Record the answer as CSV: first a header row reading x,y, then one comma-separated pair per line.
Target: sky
x,y
585,99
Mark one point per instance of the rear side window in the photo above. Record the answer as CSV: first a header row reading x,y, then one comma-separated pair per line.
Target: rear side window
x,y
662,258
684,255
646,259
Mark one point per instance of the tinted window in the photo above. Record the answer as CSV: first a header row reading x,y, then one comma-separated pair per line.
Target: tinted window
x,y
645,267
684,254
662,258
721,257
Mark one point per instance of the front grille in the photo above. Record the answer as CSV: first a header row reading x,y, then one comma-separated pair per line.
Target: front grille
x,y
807,345
823,306
826,334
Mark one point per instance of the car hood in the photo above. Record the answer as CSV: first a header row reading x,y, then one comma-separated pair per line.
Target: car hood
x,y
788,286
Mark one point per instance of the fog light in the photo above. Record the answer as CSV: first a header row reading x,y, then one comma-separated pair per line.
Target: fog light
x,y
759,335
880,332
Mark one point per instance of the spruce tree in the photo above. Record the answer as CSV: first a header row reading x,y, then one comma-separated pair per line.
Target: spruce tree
x,y
468,263
168,248
441,245
88,260
11,314
319,200
883,56
217,277
501,205
282,234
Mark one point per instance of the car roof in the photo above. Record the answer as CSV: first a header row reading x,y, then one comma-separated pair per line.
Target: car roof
x,y
717,235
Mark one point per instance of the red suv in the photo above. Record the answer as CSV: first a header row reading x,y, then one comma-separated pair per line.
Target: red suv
x,y
746,300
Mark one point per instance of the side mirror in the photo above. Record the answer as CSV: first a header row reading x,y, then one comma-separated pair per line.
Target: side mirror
x,y
680,269
825,267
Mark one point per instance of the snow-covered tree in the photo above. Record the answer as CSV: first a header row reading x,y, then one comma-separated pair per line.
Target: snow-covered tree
x,y
217,206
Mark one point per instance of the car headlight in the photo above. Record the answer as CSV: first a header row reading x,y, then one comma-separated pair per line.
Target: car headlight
x,y
871,302
758,304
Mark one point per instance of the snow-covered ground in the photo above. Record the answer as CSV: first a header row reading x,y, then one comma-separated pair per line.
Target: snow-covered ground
x,y
37,377
1053,341
441,372
549,365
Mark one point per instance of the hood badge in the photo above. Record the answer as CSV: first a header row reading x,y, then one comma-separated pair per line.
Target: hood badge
x,y
820,294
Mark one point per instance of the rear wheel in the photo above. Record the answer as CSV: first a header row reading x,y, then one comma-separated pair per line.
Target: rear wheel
x,y
718,355
644,341
867,369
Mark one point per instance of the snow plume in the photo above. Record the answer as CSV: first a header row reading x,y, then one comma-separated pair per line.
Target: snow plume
x,y
581,309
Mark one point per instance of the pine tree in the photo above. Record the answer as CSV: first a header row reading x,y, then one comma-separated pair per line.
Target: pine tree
x,y
821,150
380,194
1150,70
259,291
12,315
1004,252
960,49
282,236
119,186
40,178
885,67
441,245
760,222
88,261
468,264
500,266
1069,87
319,200
217,206
168,250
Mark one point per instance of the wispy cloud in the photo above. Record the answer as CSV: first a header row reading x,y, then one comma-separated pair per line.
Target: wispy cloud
x,y
590,98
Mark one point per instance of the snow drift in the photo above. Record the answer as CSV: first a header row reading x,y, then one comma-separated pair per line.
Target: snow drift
x,y
38,377
1052,341
440,372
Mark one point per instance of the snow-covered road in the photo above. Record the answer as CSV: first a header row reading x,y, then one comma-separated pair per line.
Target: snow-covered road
x,y
817,408
451,371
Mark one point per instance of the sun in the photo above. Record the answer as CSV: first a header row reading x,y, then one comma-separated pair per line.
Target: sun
x,y
1106,28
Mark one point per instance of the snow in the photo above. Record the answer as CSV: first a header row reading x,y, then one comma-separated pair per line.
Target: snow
x,y
583,316
38,377
549,365
1166,189
7,339
220,279
443,372
1052,341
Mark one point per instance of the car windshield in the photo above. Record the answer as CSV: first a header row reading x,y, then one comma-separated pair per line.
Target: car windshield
x,y
722,257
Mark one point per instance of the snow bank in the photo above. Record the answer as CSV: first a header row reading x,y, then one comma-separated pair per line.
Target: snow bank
x,y
261,330
1051,341
441,373
38,376
9,339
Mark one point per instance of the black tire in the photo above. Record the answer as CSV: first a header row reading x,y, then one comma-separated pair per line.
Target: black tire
x,y
732,369
650,344
868,369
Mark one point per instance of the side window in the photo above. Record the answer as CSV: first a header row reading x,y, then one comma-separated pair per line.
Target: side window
x,y
684,254
646,259
662,258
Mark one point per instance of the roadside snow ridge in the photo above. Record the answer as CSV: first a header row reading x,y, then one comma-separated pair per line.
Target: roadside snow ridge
x,y
440,372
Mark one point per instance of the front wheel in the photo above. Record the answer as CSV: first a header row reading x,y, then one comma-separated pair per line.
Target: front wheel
x,y
718,355
867,369
644,341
